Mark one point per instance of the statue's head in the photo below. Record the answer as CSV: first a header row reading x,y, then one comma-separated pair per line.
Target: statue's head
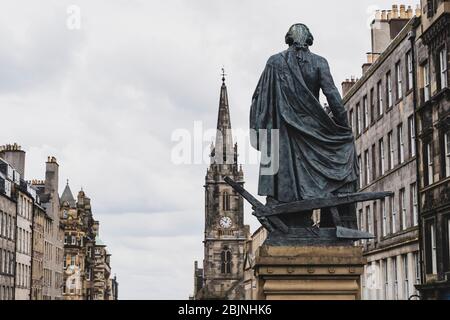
x,y
299,36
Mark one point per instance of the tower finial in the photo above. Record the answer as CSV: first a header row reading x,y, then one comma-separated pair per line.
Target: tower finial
x,y
67,181
223,75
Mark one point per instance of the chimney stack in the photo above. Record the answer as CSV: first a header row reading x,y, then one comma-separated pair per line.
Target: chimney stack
x,y
387,25
347,85
15,156
380,32
52,179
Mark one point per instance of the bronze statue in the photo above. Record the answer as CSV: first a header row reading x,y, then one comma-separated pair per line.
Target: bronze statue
x,y
318,167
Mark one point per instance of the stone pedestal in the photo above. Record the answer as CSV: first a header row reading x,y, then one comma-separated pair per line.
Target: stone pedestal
x,y
308,272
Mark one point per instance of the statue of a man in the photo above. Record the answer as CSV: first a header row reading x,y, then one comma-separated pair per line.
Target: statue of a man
x,y
317,156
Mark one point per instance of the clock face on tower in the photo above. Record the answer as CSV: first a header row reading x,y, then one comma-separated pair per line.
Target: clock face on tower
x,y
225,222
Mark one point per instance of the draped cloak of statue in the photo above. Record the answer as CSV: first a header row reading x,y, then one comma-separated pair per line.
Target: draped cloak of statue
x,y
317,156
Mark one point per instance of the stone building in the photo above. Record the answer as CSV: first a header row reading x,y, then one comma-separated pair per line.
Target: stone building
x,y
87,270
37,253
225,233
252,245
9,178
433,114
102,284
25,205
37,272
42,235
25,196
78,240
53,232
380,107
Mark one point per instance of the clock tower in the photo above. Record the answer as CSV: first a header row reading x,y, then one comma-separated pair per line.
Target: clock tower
x,y
225,232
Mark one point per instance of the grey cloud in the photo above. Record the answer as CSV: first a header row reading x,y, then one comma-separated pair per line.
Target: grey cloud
x,y
105,99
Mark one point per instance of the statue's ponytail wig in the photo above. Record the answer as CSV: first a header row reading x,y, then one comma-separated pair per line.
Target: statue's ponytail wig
x,y
292,35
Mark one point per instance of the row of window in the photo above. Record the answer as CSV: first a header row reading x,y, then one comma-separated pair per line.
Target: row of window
x,y
441,69
36,293
378,162
428,159
380,101
23,275
48,279
6,262
72,289
38,268
25,207
38,240
73,240
7,222
59,255
70,260
392,220
367,114
48,251
23,243
431,263
392,279
6,293
48,227
58,280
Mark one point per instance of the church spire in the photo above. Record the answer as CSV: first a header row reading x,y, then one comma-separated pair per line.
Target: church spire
x,y
224,139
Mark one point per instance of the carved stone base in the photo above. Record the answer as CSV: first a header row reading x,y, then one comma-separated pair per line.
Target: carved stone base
x,y
299,237
309,273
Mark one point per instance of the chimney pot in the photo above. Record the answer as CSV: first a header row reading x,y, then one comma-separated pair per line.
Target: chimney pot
x,y
378,15
13,154
394,11
418,11
403,14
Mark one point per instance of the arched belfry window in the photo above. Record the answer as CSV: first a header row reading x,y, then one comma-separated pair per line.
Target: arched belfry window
x,y
226,201
225,261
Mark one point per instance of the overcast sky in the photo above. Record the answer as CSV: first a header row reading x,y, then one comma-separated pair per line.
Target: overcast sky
x,y
105,99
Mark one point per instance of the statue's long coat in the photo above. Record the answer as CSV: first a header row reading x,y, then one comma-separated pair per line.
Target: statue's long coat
x,y
317,155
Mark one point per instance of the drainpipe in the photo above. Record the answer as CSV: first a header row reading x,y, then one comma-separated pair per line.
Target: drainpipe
x,y
33,226
14,231
412,39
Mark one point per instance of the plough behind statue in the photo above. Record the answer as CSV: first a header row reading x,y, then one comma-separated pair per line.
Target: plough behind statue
x,y
270,215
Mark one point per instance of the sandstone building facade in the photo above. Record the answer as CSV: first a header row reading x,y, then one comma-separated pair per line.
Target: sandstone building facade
x,y
33,219
53,232
24,234
405,148
87,271
381,112
8,180
37,268
433,114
